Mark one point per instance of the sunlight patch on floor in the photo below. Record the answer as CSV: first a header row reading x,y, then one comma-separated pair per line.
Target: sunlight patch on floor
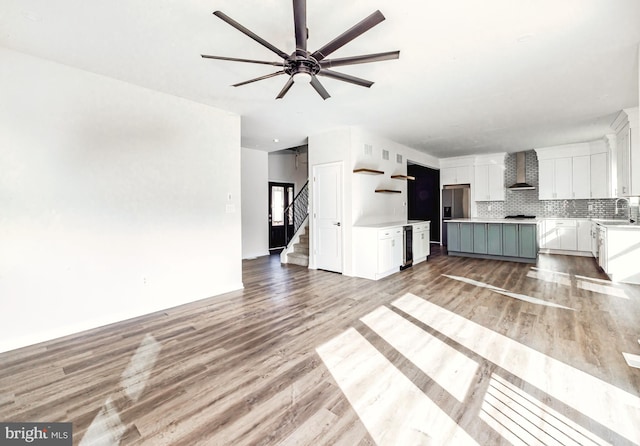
x,y
632,360
395,410
550,277
449,368
392,408
608,405
602,289
524,420
107,427
523,297
583,282
593,279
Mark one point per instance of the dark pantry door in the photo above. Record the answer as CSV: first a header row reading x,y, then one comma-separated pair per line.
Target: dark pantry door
x,y
280,196
424,197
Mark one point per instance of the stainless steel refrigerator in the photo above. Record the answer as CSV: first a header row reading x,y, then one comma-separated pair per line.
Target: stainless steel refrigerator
x,y
456,203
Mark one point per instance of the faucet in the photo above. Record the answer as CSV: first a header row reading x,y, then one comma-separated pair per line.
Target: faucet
x,y
628,205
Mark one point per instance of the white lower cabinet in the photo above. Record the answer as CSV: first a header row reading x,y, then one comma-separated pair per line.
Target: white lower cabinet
x,y
568,234
421,245
594,239
619,254
584,235
389,250
377,252
559,234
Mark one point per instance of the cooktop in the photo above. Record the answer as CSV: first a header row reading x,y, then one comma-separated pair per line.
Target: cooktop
x,y
520,216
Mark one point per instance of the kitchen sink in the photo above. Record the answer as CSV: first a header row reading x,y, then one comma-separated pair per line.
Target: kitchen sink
x,y
615,222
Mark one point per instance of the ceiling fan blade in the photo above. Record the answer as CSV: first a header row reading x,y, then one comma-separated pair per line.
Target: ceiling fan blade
x,y
249,33
345,78
235,59
378,57
286,88
315,83
348,35
278,73
300,23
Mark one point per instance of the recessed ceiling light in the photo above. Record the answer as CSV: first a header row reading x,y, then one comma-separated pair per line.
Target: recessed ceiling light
x,y
524,37
276,140
30,16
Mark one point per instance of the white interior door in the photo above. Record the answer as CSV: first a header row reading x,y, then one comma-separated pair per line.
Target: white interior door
x,y
327,201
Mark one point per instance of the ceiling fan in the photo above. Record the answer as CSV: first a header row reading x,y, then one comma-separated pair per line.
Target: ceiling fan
x,y
304,66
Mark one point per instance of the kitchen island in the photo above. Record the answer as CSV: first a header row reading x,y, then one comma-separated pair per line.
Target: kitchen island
x,y
514,240
618,249
381,249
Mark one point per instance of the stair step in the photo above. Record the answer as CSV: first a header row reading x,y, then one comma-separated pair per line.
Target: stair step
x,y
301,249
298,259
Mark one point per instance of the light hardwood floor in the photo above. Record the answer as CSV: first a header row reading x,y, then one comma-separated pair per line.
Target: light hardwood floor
x,y
447,352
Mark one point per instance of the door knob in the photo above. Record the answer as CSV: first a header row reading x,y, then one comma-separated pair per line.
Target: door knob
x,y
336,224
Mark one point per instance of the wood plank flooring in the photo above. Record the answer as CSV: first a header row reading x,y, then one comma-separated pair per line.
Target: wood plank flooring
x,y
304,357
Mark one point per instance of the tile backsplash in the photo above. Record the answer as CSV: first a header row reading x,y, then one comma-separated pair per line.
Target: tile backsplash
x,y
526,201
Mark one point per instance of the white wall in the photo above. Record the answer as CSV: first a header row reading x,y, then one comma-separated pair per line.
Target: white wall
x,y
361,205
368,206
255,203
116,200
284,168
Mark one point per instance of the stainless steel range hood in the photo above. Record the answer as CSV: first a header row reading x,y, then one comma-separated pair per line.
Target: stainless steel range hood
x,y
521,178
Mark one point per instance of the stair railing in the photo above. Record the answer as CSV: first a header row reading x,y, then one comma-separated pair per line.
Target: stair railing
x,y
297,212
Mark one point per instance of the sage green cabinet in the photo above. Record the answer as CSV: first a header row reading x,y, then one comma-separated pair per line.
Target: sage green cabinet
x,y
510,240
494,239
466,237
506,241
519,241
527,241
480,238
453,236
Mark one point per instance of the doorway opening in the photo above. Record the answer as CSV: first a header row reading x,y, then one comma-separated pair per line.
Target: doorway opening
x,y
424,197
280,197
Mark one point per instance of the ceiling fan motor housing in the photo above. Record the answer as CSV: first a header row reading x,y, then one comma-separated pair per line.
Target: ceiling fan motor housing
x,y
301,62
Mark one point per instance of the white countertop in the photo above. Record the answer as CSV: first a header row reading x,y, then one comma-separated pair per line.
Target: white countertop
x,y
616,224
519,221
390,224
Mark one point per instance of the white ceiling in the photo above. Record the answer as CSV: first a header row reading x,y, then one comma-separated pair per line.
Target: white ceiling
x,y
473,76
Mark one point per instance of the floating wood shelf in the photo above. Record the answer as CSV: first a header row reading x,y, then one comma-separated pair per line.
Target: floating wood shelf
x,y
368,171
403,177
388,191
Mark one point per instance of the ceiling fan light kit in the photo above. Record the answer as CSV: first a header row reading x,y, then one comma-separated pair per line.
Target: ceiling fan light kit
x,y
304,67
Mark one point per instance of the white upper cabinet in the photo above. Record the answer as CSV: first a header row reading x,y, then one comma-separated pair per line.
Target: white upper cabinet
x,y
623,144
563,178
489,182
574,171
599,166
555,179
627,127
581,176
546,183
455,175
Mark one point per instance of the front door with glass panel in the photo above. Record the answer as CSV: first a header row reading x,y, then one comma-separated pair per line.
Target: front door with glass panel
x,y
280,225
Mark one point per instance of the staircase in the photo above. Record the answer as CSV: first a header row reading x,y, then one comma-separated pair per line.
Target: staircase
x,y
300,254
297,249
